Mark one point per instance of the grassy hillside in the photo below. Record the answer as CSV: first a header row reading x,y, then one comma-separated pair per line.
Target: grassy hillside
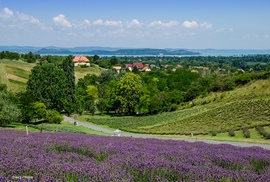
x,y
81,72
15,73
245,107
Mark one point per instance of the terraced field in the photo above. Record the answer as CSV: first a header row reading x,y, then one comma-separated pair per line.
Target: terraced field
x,y
198,120
15,74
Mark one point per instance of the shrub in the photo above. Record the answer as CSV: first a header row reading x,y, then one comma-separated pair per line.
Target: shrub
x,y
246,133
214,133
53,116
231,133
173,107
262,131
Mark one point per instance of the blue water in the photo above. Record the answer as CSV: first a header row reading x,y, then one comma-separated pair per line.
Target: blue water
x,y
231,52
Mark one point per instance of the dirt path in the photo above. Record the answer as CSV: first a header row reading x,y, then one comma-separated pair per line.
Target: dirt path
x,y
125,134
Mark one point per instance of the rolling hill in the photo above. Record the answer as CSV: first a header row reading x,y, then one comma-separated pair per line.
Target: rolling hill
x,y
245,107
15,73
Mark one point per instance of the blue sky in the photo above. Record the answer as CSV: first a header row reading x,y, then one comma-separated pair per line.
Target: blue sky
x,y
191,24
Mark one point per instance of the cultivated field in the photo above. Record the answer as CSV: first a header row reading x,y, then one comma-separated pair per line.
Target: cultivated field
x,y
243,108
76,157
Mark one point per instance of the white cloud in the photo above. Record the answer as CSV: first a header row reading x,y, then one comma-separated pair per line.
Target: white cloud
x,y
87,22
113,23
206,25
62,21
25,17
190,24
98,22
7,13
231,30
194,24
160,23
134,23
107,23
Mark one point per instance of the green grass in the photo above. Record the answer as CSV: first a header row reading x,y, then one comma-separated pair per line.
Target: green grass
x,y
63,127
81,72
17,71
14,74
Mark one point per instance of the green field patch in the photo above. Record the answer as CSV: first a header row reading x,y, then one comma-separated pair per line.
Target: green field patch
x,y
17,82
17,71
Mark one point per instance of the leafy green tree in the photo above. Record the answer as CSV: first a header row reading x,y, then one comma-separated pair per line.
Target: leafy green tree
x,y
108,93
9,112
101,105
89,105
52,116
95,59
107,76
114,61
129,91
92,92
143,106
48,84
38,111
136,70
68,68
89,79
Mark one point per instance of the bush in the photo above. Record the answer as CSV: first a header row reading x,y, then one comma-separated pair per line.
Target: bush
x,y
53,116
246,133
262,131
173,107
231,133
214,133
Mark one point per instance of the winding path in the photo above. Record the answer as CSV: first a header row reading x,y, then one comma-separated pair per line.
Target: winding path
x,y
126,134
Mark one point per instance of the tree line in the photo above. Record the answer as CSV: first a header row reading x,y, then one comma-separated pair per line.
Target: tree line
x,y
51,90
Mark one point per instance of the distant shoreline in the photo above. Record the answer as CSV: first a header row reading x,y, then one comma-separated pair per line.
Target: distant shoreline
x,y
134,52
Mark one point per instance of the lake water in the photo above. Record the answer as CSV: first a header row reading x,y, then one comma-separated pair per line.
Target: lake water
x,y
231,52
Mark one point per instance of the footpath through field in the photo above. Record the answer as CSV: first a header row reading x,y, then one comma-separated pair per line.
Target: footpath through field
x,y
125,134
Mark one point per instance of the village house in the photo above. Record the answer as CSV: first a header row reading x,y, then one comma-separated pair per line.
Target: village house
x,y
146,68
139,65
117,68
81,60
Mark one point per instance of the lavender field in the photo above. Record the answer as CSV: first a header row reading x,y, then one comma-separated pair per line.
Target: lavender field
x,y
78,157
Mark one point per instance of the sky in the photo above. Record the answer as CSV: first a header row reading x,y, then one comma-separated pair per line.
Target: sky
x,y
189,24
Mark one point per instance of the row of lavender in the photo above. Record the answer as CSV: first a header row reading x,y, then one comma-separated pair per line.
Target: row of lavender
x,y
74,157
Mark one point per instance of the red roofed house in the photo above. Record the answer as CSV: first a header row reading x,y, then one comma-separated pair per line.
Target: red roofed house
x,y
129,66
139,65
81,60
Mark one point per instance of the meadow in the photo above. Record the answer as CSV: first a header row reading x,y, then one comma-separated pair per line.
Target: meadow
x,y
80,157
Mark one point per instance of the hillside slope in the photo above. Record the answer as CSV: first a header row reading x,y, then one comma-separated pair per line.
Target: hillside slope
x,y
244,107
15,73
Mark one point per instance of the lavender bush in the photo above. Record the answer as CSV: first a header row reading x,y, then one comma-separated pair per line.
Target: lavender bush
x,y
78,157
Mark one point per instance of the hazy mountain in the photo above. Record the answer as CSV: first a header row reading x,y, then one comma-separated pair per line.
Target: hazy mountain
x,y
92,50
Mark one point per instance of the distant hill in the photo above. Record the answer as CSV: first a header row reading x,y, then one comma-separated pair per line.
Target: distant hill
x,y
92,50
123,52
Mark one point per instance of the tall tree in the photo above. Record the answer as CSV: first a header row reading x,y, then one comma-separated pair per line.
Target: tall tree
x,y
68,68
48,84
128,91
